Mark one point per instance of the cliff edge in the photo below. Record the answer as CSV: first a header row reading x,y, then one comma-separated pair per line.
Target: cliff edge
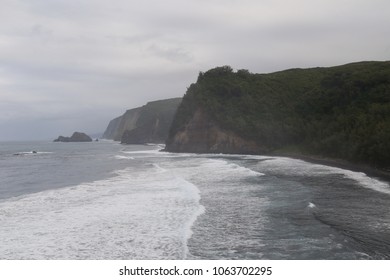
x,y
147,124
340,112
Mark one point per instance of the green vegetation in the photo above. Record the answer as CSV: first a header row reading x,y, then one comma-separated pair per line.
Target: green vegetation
x,y
340,112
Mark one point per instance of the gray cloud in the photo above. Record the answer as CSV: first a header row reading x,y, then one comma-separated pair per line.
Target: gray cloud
x,y
74,65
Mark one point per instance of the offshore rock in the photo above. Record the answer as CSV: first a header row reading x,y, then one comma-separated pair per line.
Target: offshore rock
x,y
76,137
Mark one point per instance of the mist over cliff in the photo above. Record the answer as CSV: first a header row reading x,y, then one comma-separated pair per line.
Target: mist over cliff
x,y
338,112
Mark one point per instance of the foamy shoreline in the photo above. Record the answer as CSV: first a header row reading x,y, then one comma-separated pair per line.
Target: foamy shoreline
x,y
339,163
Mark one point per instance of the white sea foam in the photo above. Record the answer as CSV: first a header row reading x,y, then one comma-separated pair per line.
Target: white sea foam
x,y
142,152
192,192
290,166
367,181
137,214
123,157
230,169
159,168
200,169
147,211
311,205
30,153
160,146
230,205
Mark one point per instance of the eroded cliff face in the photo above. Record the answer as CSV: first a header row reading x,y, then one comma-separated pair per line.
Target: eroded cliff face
x,y
119,125
151,133
128,122
203,135
112,128
147,124
153,122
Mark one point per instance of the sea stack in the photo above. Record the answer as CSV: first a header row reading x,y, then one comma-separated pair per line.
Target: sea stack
x,y
76,137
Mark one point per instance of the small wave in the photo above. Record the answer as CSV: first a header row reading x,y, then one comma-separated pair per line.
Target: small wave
x,y
142,152
30,153
232,168
312,209
367,182
368,243
311,205
159,168
123,157
161,146
289,166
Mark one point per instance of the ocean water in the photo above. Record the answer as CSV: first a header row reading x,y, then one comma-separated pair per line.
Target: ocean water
x,y
103,200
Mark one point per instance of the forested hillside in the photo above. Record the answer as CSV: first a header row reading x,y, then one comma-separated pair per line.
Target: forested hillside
x,y
339,112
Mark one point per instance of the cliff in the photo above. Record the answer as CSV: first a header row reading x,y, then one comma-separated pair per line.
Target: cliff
x,y
76,137
147,124
128,121
112,128
338,112
203,135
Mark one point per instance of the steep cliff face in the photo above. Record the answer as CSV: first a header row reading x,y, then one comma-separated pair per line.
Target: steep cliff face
x,y
340,112
152,123
127,122
152,133
112,128
203,135
147,124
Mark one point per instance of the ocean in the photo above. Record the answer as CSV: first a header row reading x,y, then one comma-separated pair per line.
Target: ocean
x,y
104,200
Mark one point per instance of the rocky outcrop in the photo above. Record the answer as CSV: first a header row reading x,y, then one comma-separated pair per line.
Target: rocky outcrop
x,y
203,135
76,137
146,124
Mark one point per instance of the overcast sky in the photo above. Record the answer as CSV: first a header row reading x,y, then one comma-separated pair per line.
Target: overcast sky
x,y
73,65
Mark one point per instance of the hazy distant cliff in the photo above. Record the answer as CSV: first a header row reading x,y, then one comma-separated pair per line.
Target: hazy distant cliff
x,y
146,124
112,128
119,125
339,112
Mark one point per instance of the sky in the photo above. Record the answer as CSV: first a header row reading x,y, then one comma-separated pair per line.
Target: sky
x,y
73,65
